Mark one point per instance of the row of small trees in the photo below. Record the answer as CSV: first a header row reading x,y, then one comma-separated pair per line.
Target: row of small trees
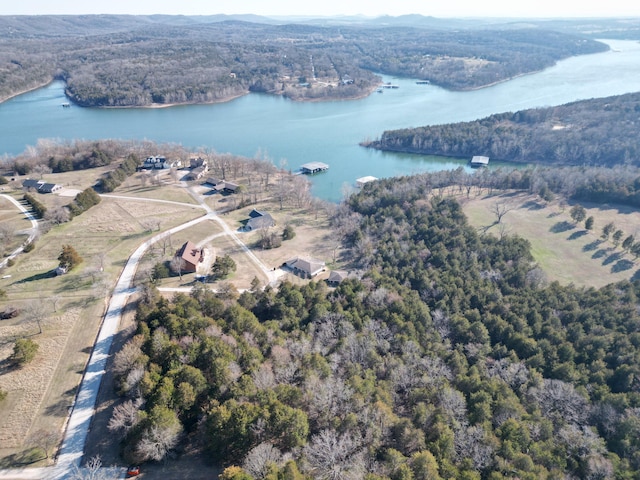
x,y
609,231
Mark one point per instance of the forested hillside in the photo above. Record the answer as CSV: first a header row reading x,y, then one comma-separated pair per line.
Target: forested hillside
x,y
116,61
601,131
447,358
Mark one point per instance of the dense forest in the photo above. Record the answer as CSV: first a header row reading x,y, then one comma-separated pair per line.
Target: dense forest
x,y
599,131
118,61
448,357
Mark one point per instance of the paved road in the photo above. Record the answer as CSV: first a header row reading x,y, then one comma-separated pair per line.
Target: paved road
x,y
32,232
72,448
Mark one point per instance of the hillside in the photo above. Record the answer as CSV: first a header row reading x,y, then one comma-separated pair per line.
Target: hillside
x,y
590,132
446,358
140,61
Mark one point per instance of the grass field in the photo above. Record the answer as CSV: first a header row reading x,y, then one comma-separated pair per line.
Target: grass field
x,y
566,252
40,394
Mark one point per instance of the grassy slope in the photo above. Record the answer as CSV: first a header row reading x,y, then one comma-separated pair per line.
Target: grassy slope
x,y
566,252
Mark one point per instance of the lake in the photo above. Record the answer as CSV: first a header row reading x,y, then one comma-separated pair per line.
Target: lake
x,y
327,132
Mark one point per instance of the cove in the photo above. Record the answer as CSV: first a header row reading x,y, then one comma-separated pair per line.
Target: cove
x,y
327,132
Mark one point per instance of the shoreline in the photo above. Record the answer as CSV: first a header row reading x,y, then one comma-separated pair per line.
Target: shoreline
x,y
22,92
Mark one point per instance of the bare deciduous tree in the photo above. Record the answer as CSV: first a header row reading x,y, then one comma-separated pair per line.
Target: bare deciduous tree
x,y
177,266
44,439
125,416
260,458
332,457
500,208
36,311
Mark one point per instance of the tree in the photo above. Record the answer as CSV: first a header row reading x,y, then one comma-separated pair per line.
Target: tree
x,y
578,213
234,473
607,230
177,265
223,266
45,440
69,258
588,223
6,234
92,470
500,209
628,243
35,311
24,351
617,237
288,233
159,435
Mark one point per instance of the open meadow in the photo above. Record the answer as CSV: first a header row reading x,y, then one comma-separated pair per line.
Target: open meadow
x,y
565,251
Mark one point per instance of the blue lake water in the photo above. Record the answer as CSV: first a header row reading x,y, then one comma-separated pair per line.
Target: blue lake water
x,y
328,132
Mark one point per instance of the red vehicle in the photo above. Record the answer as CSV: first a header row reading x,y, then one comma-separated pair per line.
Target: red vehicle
x,y
133,472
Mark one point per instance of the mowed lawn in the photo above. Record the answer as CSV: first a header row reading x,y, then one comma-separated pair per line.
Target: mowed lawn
x,y
566,252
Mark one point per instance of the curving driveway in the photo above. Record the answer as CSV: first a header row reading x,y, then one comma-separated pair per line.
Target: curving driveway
x,y
72,449
32,233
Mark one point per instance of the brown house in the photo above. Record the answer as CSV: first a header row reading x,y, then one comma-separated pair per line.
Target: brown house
x,y
191,256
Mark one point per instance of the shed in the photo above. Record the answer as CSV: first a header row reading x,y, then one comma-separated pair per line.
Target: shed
x,y
336,277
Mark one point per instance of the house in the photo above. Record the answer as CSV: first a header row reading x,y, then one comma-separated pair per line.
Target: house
x,y
213,181
228,187
41,186
336,277
305,267
313,167
479,161
49,188
196,173
156,162
197,162
191,256
30,183
258,220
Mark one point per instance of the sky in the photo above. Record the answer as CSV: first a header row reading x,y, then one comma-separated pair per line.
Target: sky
x,y
371,8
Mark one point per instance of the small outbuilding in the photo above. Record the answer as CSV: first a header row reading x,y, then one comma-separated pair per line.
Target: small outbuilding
x,y
336,277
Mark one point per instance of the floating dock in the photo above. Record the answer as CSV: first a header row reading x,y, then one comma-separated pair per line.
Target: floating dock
x,y
313,167
479,161
360,182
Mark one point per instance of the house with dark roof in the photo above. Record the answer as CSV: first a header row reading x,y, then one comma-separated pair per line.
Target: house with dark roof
x,y
305,267
213,182
41,186
191,256
49,188
336,277
196,174
258,220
